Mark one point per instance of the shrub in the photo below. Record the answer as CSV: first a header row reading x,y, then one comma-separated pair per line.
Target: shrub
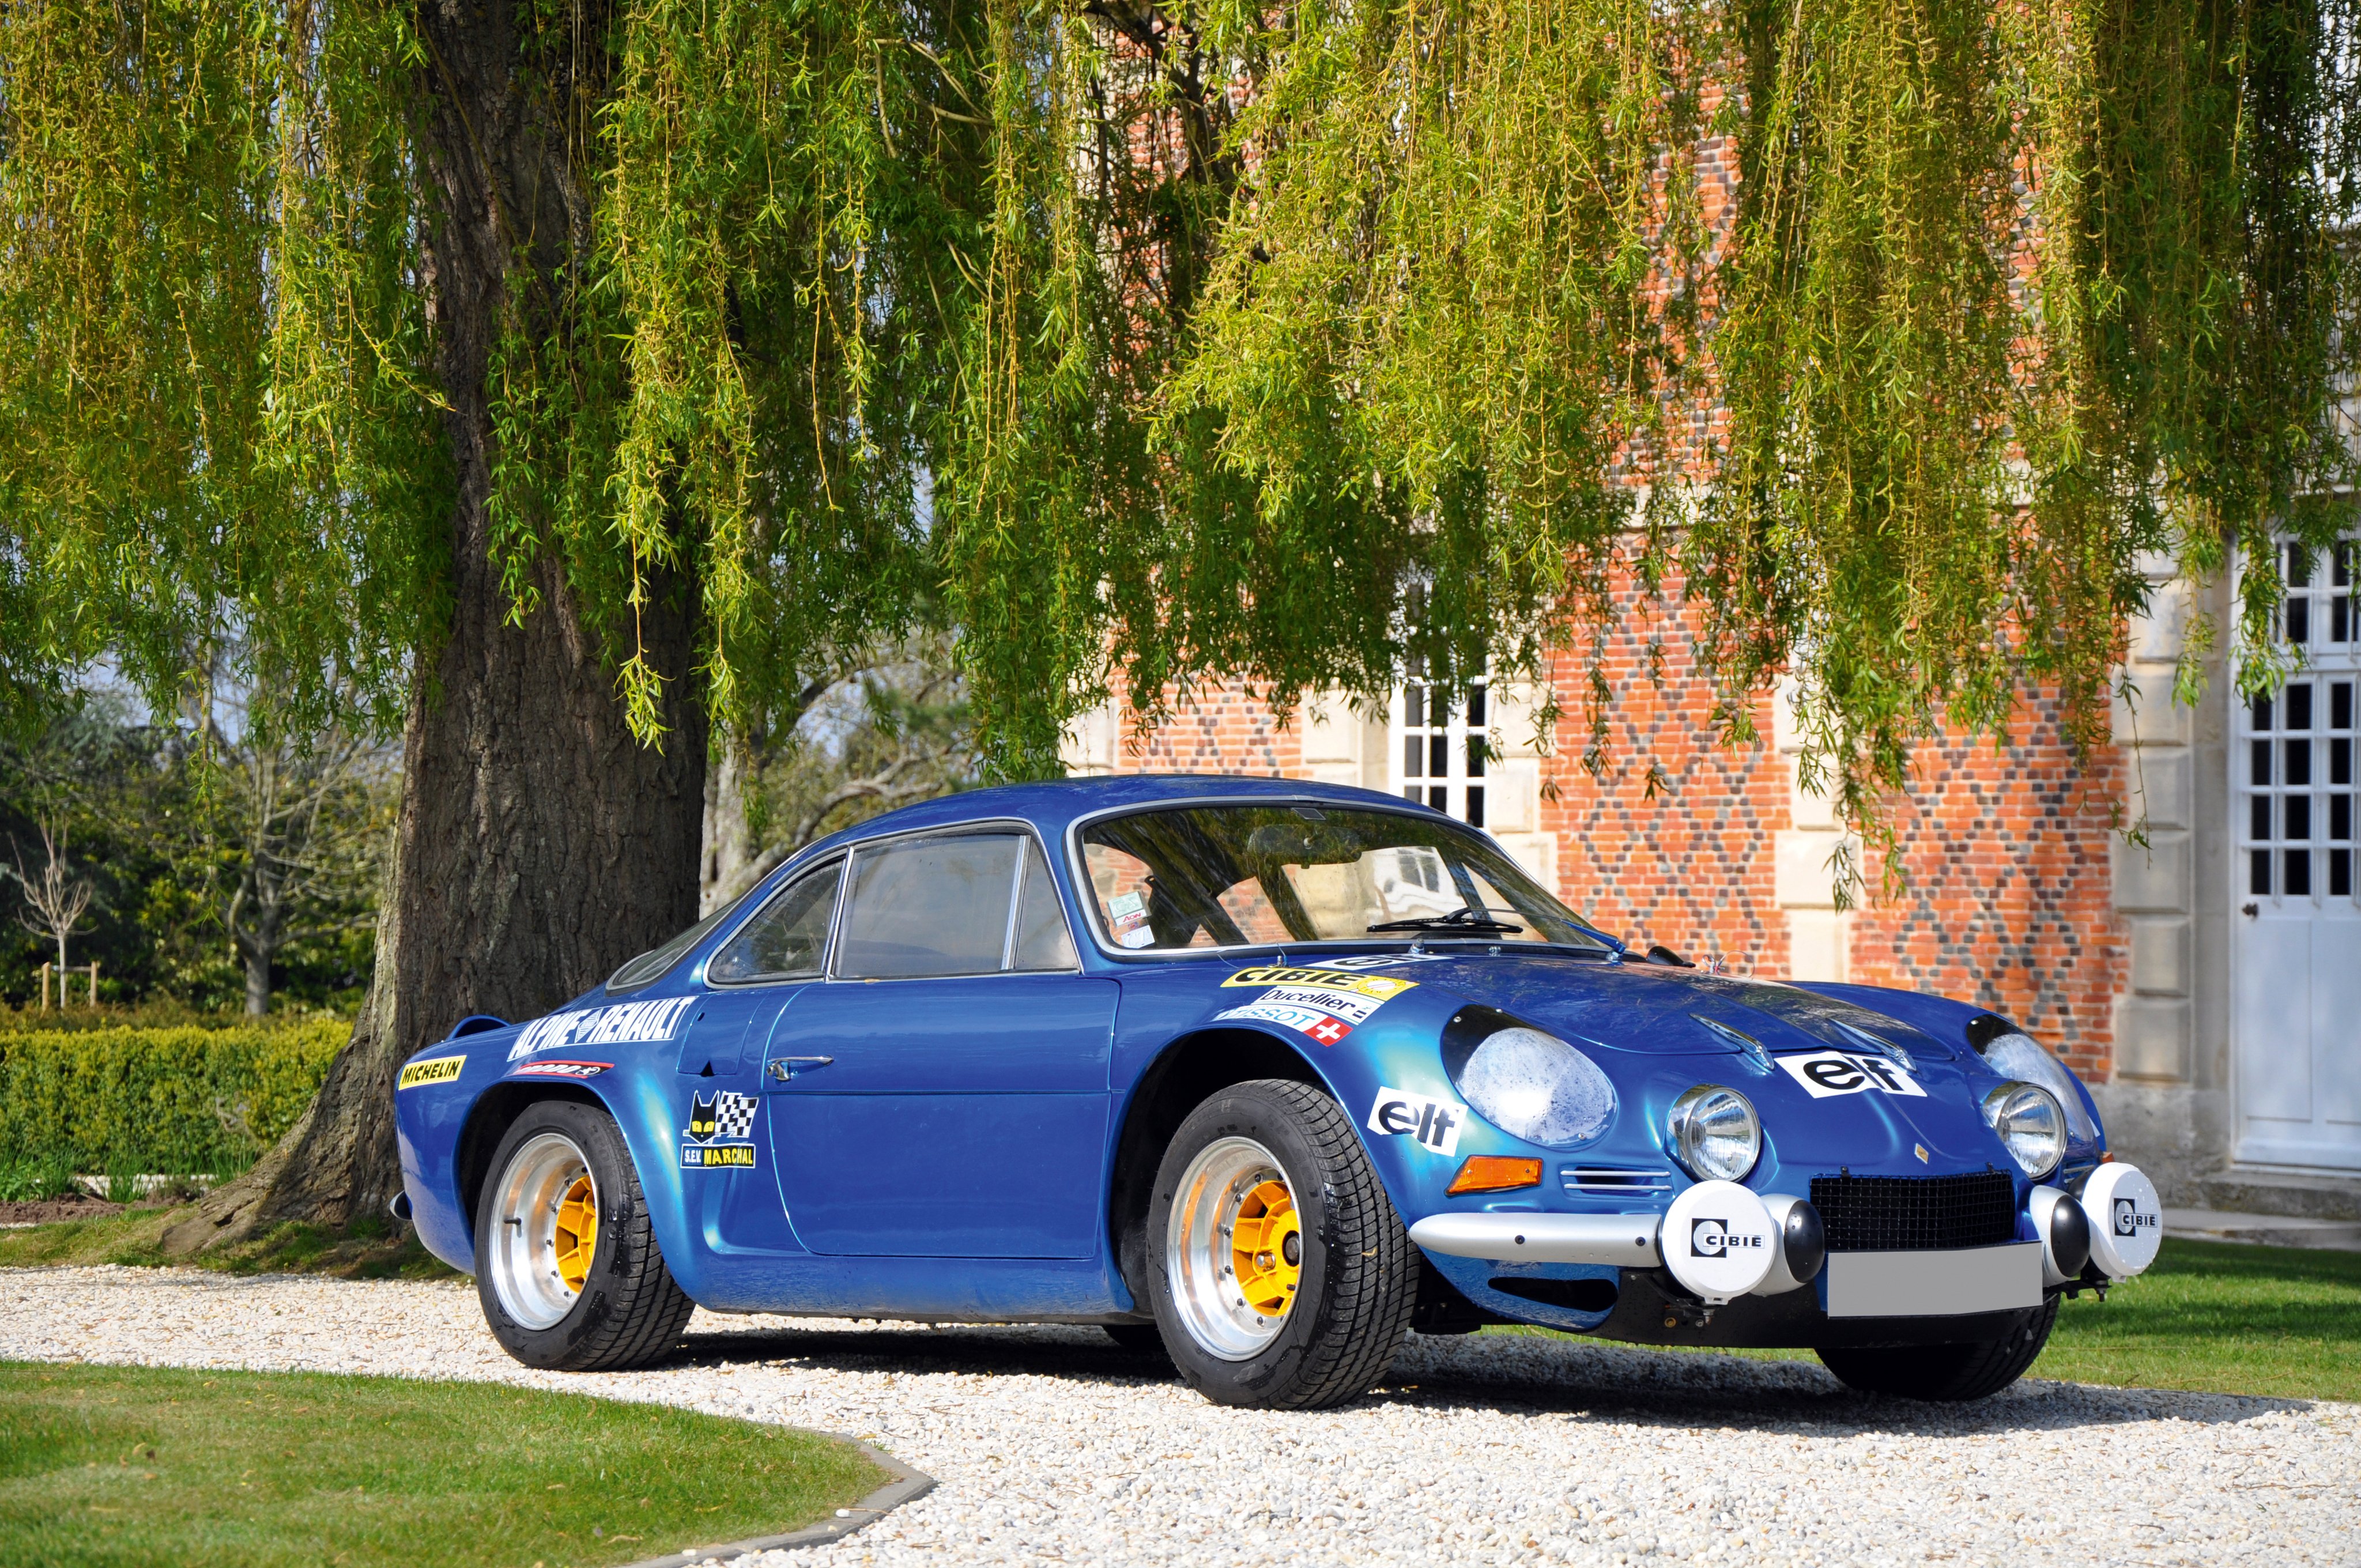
x,y
176,1100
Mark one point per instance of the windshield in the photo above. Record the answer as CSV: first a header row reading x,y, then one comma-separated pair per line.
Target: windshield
x,y
1223,876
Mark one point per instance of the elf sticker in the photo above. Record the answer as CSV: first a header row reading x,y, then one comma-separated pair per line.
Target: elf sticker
x,y
1432,1124
1825,1074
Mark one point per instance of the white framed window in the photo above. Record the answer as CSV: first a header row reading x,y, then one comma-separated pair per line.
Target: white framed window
x,y
2294,770
1440,748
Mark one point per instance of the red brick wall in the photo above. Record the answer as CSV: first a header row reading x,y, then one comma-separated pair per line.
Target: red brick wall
x,y
1228,729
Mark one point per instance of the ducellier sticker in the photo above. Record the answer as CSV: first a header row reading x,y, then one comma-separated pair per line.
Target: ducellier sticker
x,y
719,1133
1825,1074
1432,1124
433,1069
622,1023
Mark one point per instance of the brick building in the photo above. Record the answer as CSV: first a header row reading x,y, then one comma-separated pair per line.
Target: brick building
x,y
2206,982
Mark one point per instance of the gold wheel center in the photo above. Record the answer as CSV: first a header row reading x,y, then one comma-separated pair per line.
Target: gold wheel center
x,y
577,1232
1267,1249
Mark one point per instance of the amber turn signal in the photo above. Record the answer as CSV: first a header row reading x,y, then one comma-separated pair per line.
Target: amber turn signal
x,y
1494,1173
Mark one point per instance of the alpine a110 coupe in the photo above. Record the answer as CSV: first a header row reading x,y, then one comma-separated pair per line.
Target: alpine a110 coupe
x,y
1266,1074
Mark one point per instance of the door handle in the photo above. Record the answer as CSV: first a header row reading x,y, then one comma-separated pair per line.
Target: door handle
x,y
786,1067
2249,910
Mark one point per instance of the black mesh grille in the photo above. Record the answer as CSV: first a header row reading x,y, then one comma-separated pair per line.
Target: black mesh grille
x,y
1916,1213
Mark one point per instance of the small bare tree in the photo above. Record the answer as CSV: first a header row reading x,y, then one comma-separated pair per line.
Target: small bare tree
x,y
57,899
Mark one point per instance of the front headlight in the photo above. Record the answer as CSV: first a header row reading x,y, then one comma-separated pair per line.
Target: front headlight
x,y
2021,1056
1715,1133
2031,1125
1535,1086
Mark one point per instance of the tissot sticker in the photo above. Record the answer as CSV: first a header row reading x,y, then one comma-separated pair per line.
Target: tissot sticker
x,y
1324,1027
657,1018
1825,1074
1432,1124
720,1131
433,1069
557,1068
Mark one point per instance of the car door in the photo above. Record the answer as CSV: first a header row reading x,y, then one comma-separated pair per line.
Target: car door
x,y
944,1092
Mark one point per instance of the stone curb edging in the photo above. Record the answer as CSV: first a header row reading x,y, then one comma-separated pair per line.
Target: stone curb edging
x,y
907,1485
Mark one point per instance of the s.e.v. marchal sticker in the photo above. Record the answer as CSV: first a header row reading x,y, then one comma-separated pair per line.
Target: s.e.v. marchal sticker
x,y
433,1069
624,1023
719,1132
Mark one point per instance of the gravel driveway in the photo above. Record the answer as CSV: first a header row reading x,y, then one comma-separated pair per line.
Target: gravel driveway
x,y
1053,1447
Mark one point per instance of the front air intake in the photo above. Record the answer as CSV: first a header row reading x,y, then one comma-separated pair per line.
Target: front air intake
x,y
1916,1213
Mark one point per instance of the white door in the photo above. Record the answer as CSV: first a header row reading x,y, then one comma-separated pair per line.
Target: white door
x,y
1440,749
2296,932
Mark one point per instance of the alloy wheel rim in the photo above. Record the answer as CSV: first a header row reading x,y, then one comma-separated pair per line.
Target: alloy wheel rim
x,y
545,1218
1234,1251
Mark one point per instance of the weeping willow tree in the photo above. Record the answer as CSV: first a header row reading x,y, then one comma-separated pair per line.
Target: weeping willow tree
x,y
565,381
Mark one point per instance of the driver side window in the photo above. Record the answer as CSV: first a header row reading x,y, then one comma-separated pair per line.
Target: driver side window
x,y
789,937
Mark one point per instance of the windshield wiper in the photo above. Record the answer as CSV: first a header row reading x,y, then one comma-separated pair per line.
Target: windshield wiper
x,y
1457,920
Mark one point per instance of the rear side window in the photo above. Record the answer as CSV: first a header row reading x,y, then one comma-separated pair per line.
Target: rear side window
x,y
1042,940
929,906
788,937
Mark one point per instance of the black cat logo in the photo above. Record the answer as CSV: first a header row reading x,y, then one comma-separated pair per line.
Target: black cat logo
x,y
700,1117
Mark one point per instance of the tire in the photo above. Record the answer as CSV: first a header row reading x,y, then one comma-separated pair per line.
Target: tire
x,y
612,1304
1946,1373
1307,1342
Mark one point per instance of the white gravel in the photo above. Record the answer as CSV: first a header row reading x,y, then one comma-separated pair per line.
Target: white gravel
x,y
1052,1447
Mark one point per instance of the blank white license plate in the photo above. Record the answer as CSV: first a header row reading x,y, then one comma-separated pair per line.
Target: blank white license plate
x,y
1934,1284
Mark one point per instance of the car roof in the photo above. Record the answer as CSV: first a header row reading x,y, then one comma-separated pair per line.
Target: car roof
x,y
1052,806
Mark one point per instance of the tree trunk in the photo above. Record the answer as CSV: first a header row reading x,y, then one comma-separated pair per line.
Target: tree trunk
x,y
539,844
258,983
729,853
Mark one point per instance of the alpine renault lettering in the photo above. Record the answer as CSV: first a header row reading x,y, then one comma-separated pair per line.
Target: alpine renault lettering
x,y
1265,1073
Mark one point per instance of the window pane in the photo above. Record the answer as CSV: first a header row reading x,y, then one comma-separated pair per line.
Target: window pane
x,y
2258,871
2299,566
2339,816
2299,874
788,937
2299,816
1475,756
2340,706
1414,706
1438,756
2340,760
1475,805
1413,754
1475,705
2299,761
1042,940
2299,705
2262,706
2259,818
2299,621
929,906
2258,756
2340,873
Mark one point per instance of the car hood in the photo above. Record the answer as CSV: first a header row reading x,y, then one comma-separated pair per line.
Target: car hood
x,y
1658,1009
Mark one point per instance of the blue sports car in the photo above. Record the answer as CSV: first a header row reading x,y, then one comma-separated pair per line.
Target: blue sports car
x,y
1263,1074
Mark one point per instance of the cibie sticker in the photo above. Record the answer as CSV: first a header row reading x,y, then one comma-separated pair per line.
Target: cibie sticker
x,y
1376,988
657,1018
1322,1028
1825,1074
1432,1124
433,1069
719,1132
557,1069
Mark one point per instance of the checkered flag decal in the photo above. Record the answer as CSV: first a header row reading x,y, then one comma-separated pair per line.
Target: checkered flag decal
x,y
733,1115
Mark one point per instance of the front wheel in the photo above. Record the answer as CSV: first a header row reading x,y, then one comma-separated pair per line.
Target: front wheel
x,y
1280,1274
1946,1373
567,1264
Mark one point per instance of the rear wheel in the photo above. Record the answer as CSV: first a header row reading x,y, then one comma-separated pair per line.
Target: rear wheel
x,y
566,1264
1946,1372
1280,1274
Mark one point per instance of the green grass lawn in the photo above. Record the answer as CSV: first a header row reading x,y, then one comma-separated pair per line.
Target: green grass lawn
x,y
109,1467
2219,1316
371,1249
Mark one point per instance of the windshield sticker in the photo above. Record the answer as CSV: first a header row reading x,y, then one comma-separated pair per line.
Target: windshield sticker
x,y
1380,987
719,1132
1432,1124
1386,960
433,1069
624,1023
1326,1028
1825,1074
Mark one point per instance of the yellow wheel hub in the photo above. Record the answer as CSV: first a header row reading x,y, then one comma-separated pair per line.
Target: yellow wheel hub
x,y
1267,1249
577,1232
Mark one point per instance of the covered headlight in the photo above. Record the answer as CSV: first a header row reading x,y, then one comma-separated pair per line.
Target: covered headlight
x,y
1714,1133
2031,1126
1535,1086
2020,1056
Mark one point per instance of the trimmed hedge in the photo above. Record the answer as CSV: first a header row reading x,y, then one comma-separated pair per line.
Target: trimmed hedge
x,y
178,1099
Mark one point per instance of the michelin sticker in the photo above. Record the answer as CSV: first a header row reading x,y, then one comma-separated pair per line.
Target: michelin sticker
x,y
624,1023
1432,1124
720,1133
433,1069
1825,1074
